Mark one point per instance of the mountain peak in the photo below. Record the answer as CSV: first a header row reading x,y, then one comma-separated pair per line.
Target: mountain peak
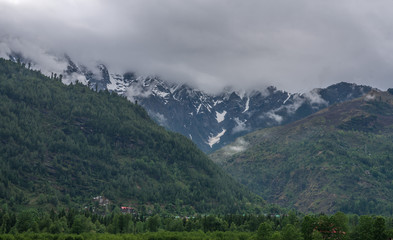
x,y
193,113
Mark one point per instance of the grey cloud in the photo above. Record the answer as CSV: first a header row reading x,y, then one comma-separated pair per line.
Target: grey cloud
x,y
314,98
294,45
239,145
240,126
273,116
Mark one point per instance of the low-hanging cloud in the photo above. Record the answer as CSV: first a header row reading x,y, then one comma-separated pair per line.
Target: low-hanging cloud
x,y
294,45
240,126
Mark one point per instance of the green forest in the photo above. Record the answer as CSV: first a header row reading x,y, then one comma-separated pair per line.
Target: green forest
x,y
72,224
81,164
61,146
339,159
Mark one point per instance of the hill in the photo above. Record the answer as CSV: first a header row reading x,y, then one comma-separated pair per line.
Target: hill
x,y
210,120
63,145
337,159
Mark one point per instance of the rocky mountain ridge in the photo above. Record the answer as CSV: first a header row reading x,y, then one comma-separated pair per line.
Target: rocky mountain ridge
x,y
210,120
338,159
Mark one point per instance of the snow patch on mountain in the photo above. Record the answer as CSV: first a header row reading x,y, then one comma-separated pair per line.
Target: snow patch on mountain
x,y
159,93
174,88
289,96
247,105
198,108
217,102
194,113
297,102
116,83
215,139
220,116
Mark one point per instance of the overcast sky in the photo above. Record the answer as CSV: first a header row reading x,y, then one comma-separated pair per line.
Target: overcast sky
x,y
293,45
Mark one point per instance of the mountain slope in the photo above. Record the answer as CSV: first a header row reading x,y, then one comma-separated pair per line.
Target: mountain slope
x,y
209,120
337,159
214,120
62,145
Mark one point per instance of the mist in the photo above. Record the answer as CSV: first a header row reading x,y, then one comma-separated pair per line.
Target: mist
x,y
293,45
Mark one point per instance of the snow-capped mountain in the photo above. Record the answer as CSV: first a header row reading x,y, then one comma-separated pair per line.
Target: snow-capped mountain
x,y
210,120
213,121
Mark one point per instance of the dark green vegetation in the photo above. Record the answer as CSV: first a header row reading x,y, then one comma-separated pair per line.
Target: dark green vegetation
x,y
63,145
31,224
340,158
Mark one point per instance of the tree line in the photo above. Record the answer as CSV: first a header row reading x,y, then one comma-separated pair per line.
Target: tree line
x,y
74,224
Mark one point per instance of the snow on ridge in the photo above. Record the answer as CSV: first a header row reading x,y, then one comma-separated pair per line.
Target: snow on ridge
x,y
208,107
217,102
216,139
160,93
247,105
220,116
113,86
289,96
199,108
174,88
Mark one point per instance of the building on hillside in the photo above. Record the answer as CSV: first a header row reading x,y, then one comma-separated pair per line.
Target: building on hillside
x,y
102,201
127,210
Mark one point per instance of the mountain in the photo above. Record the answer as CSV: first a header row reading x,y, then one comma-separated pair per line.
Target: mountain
x,y
61,146
339,158
214,120
209,120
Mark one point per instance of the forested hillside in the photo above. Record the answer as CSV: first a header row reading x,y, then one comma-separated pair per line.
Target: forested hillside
x,y
337,159
63,145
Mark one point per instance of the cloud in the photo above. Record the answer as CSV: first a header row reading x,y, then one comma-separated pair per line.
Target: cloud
x,y
314,98
160,118
73,78
273,116
296,101
33,53
294,45
240,126
138,91
239,145
369,97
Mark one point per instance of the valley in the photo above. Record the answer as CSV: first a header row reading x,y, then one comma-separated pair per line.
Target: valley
x,y
106,169
196,120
